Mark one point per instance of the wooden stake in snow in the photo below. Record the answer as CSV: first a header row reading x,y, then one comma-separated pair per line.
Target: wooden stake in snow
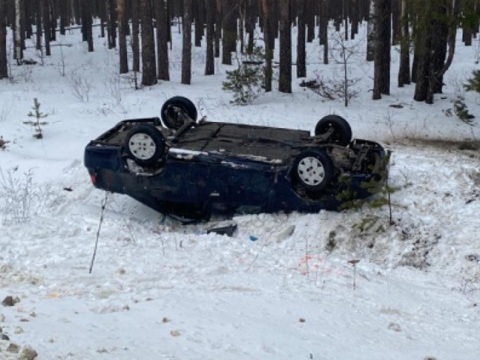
x,y
102,213
354,263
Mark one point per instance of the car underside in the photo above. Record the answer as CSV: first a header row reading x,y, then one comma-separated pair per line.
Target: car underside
x,y
178,165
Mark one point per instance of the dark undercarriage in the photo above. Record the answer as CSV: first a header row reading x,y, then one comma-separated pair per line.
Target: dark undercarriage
x,y
194,169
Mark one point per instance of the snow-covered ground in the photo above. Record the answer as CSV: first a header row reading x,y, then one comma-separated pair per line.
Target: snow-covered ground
x,y
163,290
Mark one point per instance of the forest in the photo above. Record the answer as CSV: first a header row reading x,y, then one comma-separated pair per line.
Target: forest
x,y
425,32
393,282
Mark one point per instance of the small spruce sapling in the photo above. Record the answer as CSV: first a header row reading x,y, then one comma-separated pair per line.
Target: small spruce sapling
x,y
246,82
37,123
473,83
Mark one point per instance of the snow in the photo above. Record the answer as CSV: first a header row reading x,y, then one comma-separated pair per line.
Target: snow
x,y
327,285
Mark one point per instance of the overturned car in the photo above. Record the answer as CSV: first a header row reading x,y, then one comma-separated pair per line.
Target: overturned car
x,y
178,165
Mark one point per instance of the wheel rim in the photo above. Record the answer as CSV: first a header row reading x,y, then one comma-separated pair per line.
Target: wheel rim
x,y
311,171
142,146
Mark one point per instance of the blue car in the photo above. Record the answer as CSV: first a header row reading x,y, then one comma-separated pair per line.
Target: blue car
x,y
195,168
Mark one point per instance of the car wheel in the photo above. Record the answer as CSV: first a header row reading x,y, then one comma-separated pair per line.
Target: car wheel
x,y
171,108
342,132
313,170
145,144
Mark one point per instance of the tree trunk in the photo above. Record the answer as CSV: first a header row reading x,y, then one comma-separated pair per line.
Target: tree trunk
x,y
421,77
266,8
28,18
149,73
434,32
112,24
404,70
301,39
469,21
64,18
122,36
169,27
336,8
344,15
38,25
3,40
163,24
310,19
102,15
86,23
210,13
250,14
187,42
396,26
75,5
381,77
229,31
439,48
53,20
385,34
354,17
199,18
443,38
241,26
274,22
135,36
324,30
218,26
422,44
451,36
285,78
371,31
18,54
46,26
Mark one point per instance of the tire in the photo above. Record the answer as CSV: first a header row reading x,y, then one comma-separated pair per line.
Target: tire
x,y
342,132
145,145
313,170
169,117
